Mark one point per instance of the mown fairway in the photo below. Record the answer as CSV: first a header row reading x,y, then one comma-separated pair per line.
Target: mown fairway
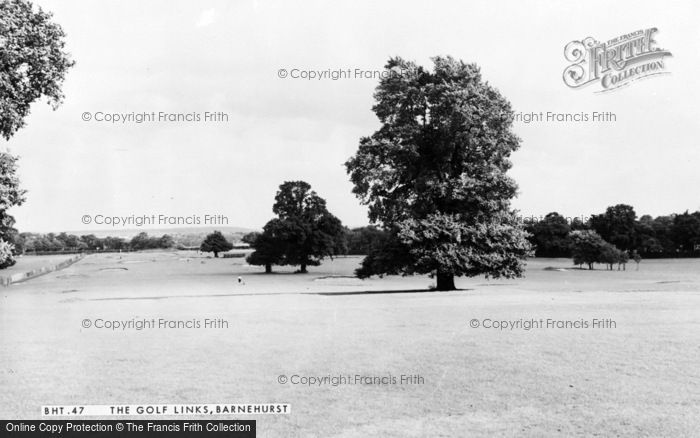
x,y
639,379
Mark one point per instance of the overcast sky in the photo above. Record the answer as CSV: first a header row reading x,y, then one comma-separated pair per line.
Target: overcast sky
x,y
192,57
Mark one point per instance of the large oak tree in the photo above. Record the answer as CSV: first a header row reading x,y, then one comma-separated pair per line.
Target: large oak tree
x,y
302,234
434,175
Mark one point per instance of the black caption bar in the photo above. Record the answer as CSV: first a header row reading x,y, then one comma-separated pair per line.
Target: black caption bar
x,y
127,428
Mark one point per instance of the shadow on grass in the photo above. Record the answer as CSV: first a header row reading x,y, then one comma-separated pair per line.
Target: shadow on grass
x,y
327,294
381,292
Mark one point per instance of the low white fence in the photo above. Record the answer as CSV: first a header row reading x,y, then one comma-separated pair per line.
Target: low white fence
x,y
23,276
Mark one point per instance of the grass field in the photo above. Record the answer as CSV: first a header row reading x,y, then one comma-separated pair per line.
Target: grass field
x,y
641,378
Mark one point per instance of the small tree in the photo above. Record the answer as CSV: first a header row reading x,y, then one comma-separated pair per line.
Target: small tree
x,y
586,247
622,260
609,255
216,243
637,258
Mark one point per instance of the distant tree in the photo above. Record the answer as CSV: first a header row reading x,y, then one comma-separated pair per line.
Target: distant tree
x,y
94,243
364,240
646,236
637,258
114,243
33,62
685,232
304,230
166,241
68,241
251,237
434,175
663,226
578,224
586,247
140,242
216,243
622,260
550,236
617,226
610,255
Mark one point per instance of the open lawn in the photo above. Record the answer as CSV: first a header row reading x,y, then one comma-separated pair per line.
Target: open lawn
x,y
638,378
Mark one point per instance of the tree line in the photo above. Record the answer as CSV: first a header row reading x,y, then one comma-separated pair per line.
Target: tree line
x,y
674,235
28,243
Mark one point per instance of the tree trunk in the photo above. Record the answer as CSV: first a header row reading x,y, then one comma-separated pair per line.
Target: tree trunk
x,y
268,268
590,266
302,268
216,254
445,282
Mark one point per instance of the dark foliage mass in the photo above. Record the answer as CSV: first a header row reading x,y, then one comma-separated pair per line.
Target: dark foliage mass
x,y
33,62
302,234
675,235
216,243
434,175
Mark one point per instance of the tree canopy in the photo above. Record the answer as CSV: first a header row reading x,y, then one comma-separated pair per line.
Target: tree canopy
x,y
589,247
216,243
616,225
33,62
303,233
434,175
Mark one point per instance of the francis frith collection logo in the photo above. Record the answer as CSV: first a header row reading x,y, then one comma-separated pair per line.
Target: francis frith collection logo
x,y
614,63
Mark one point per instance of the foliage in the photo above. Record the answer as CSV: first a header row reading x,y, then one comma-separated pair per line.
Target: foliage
x,y
216,243
686,231
10,195
303,233
362,240
550,236
589,248
674,235
434,175
586,247
51,242
7,257
616,225
33,62
268,251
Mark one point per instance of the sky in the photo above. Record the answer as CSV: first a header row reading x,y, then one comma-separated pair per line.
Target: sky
x,y
224,56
